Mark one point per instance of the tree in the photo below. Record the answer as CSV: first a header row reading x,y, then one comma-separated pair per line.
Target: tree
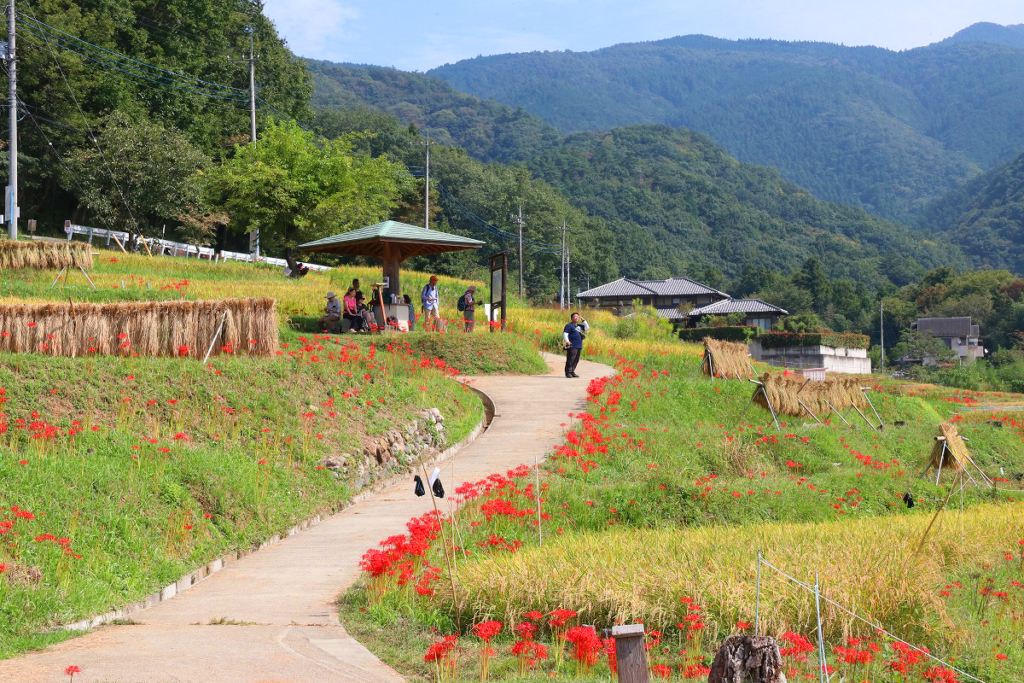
x,y
922,345
812,278
137,174
294,187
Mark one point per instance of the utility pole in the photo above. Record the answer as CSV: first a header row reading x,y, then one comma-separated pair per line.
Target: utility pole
x,y
426,190
12,184
251,59
519,221
568,276
881,335
561,290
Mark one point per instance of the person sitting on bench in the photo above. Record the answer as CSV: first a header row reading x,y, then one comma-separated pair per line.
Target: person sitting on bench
x,y
332,314
351,311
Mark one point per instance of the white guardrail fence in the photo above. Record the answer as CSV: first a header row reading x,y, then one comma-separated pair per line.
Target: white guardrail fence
x,y
161,247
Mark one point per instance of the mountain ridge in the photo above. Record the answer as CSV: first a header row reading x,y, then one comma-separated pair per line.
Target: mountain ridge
x,y
886,131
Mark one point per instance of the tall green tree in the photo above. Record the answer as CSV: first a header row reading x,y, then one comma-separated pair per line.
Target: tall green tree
x,y
294,187
137,174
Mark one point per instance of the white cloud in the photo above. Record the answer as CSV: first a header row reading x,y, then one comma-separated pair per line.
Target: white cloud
x,y
314,28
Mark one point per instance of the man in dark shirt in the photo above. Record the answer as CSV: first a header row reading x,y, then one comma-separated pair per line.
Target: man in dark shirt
x,y
572,340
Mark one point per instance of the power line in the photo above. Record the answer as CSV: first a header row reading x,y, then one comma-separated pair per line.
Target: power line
x,y
110,64
93,137
116,56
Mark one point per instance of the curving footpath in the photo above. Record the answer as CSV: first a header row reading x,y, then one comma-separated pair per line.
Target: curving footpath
x,y
278,604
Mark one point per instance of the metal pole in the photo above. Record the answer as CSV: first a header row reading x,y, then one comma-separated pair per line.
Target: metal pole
x,y
540,532
215,336
426,191
757,599
520,221
568,276
881,335
12,65
821,640
252,88
561,291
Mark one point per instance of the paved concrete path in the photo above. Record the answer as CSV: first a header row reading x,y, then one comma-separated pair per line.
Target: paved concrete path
x,y
283,596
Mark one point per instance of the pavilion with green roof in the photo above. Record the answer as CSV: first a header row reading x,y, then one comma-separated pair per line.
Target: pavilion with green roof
x,y
391,243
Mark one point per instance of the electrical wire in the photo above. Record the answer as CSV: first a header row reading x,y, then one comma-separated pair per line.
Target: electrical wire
x,y
172,75
93,138
113,65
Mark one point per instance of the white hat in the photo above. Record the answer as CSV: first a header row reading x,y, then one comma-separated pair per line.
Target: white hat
x,y
330,295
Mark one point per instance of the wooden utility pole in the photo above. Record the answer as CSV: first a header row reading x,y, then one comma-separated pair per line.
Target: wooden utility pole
x,y
12,106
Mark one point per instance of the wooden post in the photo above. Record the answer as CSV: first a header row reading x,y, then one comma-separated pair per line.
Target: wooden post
x,y
630,653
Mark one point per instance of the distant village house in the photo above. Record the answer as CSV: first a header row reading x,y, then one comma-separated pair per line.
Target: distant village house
x,y
679,299
961,335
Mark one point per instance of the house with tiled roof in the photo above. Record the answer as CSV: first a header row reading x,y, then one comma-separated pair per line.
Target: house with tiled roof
x,y
679,299
960,334
672,298
758,313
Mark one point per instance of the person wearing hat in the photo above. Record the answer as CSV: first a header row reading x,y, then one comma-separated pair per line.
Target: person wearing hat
x,y
332,311
467,306
429,297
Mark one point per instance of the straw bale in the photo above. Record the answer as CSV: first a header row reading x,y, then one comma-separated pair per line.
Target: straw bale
x,y
143,328
16,255
955,456
728,359
786,394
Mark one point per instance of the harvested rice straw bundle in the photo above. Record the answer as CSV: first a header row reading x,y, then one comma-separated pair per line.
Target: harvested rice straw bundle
x,y
955,455
172,328
725,359
16,255
782,393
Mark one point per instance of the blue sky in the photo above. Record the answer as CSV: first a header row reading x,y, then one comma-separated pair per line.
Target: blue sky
x,y
424,34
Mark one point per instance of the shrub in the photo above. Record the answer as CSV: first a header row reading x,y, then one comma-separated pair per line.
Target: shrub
x,y
739,333
848,340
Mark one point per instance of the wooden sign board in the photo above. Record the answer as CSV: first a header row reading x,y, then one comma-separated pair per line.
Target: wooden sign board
x,y
499,283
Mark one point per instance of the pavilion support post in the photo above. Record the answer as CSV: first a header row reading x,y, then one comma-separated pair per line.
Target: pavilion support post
x,y
392,262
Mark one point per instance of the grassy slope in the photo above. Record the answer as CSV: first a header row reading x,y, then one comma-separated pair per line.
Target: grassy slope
x,y
151,467
677,455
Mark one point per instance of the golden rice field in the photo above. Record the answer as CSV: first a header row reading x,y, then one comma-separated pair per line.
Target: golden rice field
x,y
143,277
870,566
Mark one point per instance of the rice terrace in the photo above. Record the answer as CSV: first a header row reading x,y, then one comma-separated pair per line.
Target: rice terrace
x,y
292,389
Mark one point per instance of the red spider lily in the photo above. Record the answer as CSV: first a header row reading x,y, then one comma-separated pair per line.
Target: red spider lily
x,y
71,671
529,654
586,646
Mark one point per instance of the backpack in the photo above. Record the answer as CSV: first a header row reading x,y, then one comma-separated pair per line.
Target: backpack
x,y
462,303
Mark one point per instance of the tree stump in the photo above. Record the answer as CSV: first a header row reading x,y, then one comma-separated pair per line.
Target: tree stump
x,y
753,659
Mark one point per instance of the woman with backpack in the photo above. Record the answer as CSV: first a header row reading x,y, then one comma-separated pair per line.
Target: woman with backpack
x,y
467,306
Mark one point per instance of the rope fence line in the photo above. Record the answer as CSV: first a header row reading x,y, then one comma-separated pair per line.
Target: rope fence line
x,y
817,593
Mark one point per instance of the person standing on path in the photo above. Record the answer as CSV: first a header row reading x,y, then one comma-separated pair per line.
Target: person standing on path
x,y
572,339
467,306
429,296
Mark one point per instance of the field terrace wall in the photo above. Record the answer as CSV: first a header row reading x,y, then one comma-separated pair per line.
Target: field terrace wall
x,y
44,255
166,328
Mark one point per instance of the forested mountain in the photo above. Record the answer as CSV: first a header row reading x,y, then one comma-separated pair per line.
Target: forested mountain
x,y
986,217
678,203
486,129
882,130
987,32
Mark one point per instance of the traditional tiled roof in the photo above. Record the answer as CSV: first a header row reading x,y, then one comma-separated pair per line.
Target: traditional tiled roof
x,y
737,306
679,286
948,327
620,288
676,286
